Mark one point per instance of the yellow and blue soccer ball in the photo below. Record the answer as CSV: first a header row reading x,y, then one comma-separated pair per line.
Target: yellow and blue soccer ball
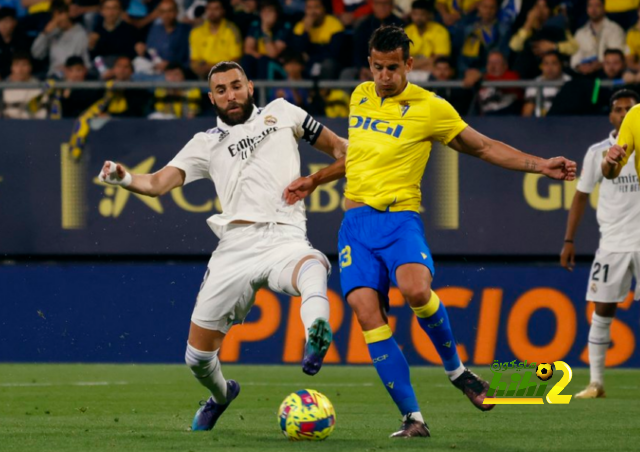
x,y
544,371
306,415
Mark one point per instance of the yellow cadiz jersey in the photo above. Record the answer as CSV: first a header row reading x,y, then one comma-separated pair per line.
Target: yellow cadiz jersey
x,y
390,142
630,135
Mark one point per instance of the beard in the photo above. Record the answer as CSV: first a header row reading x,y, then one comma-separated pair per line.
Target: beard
x,y
237,117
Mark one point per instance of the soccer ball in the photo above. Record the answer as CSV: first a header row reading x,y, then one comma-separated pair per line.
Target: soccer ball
x,y
306,415
544,371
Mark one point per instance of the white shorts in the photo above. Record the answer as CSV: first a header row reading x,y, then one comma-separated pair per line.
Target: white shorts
x,y
247,258
611,274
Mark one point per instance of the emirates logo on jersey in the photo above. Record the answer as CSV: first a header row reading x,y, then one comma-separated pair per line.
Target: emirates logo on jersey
x,y
247,145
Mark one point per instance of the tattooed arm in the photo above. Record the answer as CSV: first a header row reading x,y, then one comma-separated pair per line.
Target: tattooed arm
x,y
471,142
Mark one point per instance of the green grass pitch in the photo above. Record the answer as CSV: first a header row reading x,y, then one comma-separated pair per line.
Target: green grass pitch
x,y
94,408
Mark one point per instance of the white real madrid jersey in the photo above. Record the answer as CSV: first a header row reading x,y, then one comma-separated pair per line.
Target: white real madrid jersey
x,y
618,201
251,164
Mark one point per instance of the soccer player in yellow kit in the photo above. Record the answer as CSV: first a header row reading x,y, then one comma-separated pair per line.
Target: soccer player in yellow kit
x,y
391,126
628,141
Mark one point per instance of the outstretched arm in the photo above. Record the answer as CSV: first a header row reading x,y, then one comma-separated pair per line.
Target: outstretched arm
x,y
304,186
153,185
471,142
331,144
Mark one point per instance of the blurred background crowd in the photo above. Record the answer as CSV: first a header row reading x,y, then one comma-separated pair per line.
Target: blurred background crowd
x,y
576,42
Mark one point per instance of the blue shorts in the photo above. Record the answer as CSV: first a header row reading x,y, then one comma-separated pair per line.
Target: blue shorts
x,y
373,244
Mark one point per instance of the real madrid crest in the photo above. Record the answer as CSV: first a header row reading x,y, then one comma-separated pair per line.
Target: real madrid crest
x,y
270,120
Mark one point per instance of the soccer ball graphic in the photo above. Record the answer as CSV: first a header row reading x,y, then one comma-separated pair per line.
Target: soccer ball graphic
x,y
306,415
544,371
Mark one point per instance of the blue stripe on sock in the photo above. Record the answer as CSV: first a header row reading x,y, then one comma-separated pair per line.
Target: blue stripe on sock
x,y
393,370
439,331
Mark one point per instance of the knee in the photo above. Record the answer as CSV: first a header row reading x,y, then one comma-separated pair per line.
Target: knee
x,y
416,294
368,318
201,363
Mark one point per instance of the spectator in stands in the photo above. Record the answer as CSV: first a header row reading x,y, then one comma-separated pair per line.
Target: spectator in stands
x,y
551,67
451,11
168,40
540,34
60,40
247,12
623,12
21,103
36,18
594,38
84,11
319,37
127,102
74,102
479,37
11,40
633,45
293,64
498,101
443,71
382,15
171,103
265,42
351,12
141,13
15,5
430,39
112,36
217,39
613,65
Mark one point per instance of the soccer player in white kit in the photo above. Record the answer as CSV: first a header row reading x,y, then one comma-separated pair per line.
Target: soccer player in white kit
x,y
251,157
618,257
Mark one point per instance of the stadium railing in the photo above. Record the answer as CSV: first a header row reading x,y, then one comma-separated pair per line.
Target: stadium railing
x,y
263,86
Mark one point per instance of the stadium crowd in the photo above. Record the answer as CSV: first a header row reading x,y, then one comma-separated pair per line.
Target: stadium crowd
x,y
579,43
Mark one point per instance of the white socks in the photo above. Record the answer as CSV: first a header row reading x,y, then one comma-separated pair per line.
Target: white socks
x,y
453,374
205,366
599,340
312,284
416,416
312,287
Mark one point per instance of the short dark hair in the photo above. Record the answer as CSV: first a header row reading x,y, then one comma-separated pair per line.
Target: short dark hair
x,y
224,66
623,94
552,53
614,52
388,38
174,65
425,5
74,61
271,4
21,56
442,59
59,6
7,12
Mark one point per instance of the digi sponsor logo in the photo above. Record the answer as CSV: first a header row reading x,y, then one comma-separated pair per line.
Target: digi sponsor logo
x,y
375,125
